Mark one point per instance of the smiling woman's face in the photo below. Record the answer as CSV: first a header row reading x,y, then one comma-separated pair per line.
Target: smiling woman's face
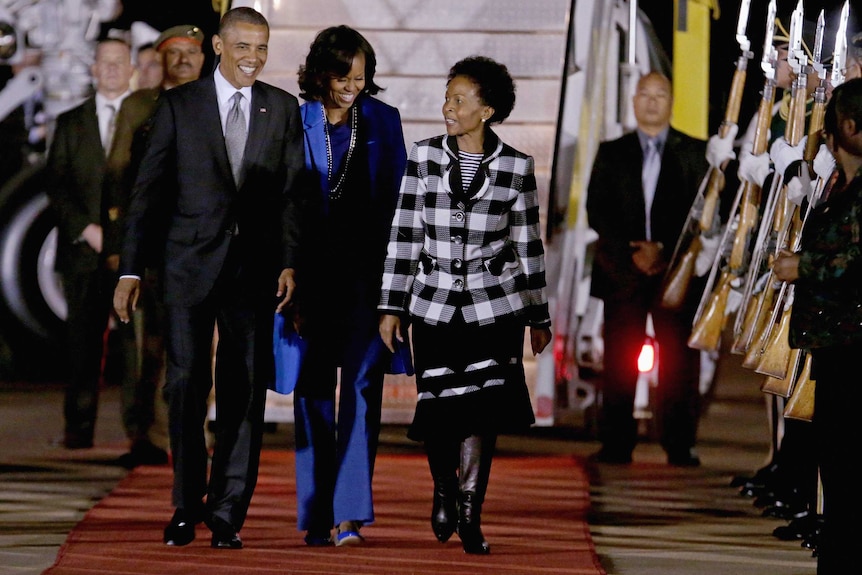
x,y
343,91
463,109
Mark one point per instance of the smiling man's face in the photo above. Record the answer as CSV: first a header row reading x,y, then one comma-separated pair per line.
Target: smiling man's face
x,y
243,51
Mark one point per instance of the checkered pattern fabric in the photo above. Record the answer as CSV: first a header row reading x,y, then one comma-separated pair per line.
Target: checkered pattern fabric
x,y
461,238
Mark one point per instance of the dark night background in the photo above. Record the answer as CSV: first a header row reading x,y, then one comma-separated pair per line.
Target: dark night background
x,y
162,14
725,51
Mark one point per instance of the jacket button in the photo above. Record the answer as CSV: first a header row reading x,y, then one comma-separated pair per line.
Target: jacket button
x,y
458,284
457,240
457,263
458,216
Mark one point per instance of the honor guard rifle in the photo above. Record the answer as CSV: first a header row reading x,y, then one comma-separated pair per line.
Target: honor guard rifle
x,y
778,360
703,220
777,217
710,316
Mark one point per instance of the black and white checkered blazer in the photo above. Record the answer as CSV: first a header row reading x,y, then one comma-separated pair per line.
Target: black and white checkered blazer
x,y
479,250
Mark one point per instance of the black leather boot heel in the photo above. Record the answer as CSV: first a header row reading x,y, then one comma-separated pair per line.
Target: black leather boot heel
x,y
444,513
443,461
469,526
476,454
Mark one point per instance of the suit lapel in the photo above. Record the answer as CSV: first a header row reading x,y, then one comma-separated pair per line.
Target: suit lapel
x,y
90,126
212,128
259,113
635,171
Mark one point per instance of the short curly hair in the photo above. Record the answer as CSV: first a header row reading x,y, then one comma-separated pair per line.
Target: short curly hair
x,y
331,55
495,84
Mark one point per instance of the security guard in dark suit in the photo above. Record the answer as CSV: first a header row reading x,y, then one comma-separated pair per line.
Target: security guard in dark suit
x,y
79,169
641,188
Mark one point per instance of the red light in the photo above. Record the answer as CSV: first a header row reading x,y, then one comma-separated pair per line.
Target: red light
x,y
646,359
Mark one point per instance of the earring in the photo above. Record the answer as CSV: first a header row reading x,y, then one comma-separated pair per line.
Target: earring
x,y
483,120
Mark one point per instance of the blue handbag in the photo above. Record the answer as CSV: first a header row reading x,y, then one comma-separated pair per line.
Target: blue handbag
x,y
289,349
402,361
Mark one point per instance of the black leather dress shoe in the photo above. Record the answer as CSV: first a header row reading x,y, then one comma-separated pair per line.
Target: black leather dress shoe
x,y
611,455
181,530
143,453
224,534
757,481
77,440
683,458
803,527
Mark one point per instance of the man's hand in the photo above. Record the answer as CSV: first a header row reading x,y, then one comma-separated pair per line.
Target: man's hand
x,y
389,328
286,287
799,188
783,154
92,234
707,254
786,266
720,150
647,257
112,262
824,163
753,169
126,297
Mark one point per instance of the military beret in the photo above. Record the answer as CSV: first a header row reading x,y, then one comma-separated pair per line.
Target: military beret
x,y
183,31
856,43
782,32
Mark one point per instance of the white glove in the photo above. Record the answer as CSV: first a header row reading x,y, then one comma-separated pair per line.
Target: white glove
x,y
788,301
799,188
708,251
824,163
720,150
783,154
760,284
734,300
753,169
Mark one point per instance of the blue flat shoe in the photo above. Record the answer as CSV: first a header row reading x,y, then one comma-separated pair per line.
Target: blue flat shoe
x,y
349,538
349,535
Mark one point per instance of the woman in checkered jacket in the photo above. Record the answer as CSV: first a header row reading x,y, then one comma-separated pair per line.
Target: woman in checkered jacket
x,y
465,265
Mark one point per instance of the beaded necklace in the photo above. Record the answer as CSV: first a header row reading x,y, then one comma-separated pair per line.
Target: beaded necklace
x,y
336,190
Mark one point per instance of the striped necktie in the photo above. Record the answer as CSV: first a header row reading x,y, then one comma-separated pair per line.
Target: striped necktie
x,y
110,125
235,136
649,178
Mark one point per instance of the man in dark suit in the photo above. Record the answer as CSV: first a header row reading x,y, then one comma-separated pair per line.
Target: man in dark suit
x,y
232,214
640,192
79,172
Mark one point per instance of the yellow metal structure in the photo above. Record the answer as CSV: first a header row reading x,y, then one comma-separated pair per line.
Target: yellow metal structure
x,y
691,38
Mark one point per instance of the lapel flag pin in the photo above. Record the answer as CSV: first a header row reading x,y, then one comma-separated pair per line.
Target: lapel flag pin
x,y
263,110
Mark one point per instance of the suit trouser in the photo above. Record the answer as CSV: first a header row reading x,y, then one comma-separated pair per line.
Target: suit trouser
x,y
677,394
335,460
144,413
838,435
240,397
89,297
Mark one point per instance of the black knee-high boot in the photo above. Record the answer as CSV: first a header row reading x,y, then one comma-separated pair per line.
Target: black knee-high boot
x,y
443,458
476,454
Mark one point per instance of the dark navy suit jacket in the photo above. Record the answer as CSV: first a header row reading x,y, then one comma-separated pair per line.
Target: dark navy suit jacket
x,y
205,206
617,212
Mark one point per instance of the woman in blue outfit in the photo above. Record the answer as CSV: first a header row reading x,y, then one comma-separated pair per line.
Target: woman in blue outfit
x,y
466,264
355,155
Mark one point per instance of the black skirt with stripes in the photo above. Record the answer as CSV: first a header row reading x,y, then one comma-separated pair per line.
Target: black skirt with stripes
x,y
470,379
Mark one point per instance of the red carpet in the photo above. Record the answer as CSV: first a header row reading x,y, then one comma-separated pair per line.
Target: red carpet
x,y
534,518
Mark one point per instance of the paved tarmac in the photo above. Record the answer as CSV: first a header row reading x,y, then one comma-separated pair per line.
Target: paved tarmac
x,y
647,518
